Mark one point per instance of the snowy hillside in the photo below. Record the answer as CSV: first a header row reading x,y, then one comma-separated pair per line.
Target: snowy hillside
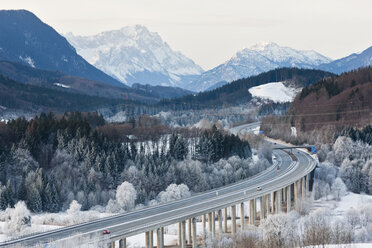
x,y
255,60
276,92
135,55
351,62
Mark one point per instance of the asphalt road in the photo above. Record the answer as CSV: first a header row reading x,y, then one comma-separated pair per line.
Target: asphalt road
x,y
151,218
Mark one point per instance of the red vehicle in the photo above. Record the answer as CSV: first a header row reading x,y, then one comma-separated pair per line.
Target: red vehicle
x,y
105,232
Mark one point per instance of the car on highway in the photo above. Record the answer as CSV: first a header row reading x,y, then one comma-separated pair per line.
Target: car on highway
x,y
105,232
278,167
259,188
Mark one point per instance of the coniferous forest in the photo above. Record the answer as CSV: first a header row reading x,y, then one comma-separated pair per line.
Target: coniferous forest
x,y
51,160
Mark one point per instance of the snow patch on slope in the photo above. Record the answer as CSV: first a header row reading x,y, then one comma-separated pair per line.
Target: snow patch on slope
x,y
275,91
28,60
62,85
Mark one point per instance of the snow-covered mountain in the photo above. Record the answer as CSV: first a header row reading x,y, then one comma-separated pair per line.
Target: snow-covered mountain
x,y
254,60
135,55
348,63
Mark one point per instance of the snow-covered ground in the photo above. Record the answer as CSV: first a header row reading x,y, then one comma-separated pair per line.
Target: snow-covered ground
x,y
275,91
50,221
339,208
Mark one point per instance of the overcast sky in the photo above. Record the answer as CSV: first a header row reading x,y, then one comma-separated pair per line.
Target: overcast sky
x,y
211,31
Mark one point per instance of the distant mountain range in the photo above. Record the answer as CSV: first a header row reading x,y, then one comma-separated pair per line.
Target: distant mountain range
x,y
24,38
253,61
135,55
348,63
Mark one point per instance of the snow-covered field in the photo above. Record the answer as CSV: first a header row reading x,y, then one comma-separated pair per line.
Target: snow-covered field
x,y
339,208
275,91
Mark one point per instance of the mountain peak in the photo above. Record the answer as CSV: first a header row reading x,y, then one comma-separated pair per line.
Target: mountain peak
x,y
134,54
18,12
254,60
263,46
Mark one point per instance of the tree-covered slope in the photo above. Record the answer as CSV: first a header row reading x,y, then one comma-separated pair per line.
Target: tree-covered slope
x,y
237,92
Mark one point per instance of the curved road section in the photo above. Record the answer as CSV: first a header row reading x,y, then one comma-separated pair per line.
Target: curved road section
x,y
128,224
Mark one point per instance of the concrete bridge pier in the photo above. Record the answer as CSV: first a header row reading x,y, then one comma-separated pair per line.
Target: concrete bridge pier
x,y
252,211
213,224
267,201
204,217
289,199
272,196
242,217
225,220
179,234
183,234
295,194
219,221
149,242
279,201
307,185
303,193
304,188
233,219
262,207
123,243
189,231
160,237
194,237
210,222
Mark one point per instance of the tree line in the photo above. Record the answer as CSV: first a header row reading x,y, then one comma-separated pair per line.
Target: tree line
x,y
51,160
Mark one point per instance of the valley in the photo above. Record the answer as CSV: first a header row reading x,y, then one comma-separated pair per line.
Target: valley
x,y
111,135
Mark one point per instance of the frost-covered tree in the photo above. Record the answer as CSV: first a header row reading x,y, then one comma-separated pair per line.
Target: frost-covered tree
x,y
266,151
174,192
353,218
342,148
126,196
279,230
74,211
338,189
317,228
17,218
75,207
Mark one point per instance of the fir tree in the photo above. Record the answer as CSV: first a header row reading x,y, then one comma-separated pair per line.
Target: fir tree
x,y
4,201
34,200
22,190
10,194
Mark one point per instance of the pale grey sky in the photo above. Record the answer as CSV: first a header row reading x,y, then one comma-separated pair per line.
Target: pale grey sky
x,y
211,31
